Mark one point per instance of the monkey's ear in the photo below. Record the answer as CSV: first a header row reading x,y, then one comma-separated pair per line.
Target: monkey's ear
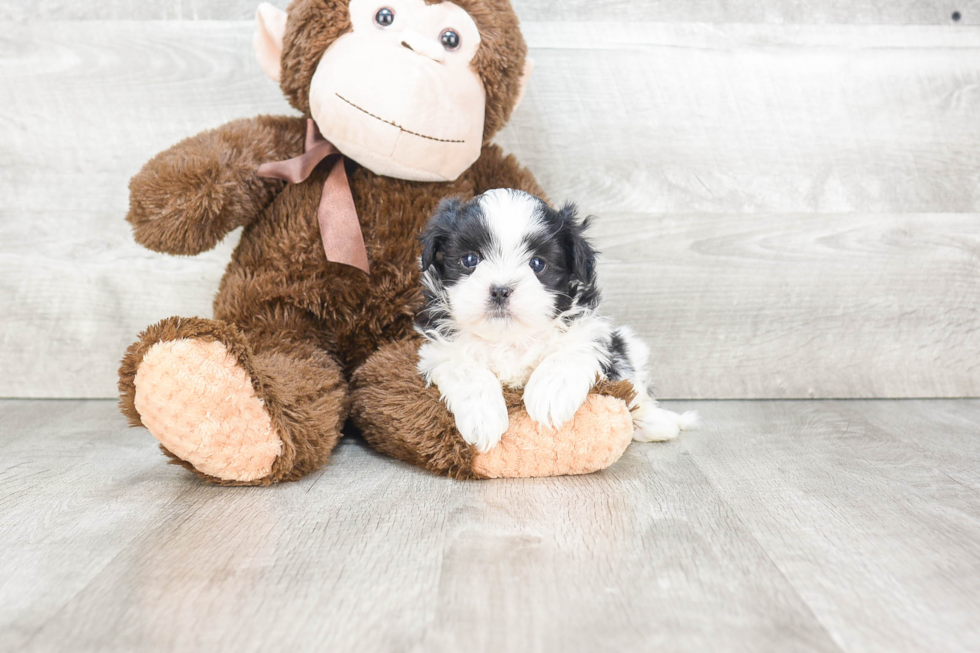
x,y
525,77
270,26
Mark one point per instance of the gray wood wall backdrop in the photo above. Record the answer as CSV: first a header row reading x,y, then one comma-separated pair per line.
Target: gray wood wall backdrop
x,y
788,191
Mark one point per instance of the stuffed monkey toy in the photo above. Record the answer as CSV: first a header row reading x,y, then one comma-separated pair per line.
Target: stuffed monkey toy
x,y
313,321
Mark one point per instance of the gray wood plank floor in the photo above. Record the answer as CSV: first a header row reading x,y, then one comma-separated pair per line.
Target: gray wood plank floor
x,y
780,526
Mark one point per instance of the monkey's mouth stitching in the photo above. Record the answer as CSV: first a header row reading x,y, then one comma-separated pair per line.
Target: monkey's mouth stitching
x,y
388,122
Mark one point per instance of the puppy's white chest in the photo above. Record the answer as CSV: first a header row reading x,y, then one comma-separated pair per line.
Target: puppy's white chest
x,y
512,363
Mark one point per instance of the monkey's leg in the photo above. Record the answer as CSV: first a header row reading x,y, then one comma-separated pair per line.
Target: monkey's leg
x,y
231,405
402,418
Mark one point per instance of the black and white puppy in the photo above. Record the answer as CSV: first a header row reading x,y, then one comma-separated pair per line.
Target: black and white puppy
x,y
511,300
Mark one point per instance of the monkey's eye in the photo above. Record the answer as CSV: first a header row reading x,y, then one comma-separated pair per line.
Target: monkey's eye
x,y
470,261
450,39
537,265
385,17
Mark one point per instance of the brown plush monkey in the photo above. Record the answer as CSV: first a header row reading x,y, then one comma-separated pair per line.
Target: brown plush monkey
x,y
313,320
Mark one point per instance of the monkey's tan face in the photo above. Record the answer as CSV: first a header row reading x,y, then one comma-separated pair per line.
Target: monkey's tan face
x,y
398,94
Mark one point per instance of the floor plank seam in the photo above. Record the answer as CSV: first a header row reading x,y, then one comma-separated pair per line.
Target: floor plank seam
x,y
745,527
924,454
71,598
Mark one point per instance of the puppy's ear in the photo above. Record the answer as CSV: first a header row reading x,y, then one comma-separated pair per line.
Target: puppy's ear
x,y
584,257
433,240
436,233
580,254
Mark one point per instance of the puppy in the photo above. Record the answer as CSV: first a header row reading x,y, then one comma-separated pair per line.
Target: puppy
x,y
511,300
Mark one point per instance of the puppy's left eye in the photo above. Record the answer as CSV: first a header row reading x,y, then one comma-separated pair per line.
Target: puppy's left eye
x,y
470,261
537,265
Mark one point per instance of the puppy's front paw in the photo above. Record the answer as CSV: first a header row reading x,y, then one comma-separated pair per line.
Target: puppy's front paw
x,y
552,398
481,420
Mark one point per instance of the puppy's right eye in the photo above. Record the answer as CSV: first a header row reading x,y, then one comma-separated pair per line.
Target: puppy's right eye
x,y
470,261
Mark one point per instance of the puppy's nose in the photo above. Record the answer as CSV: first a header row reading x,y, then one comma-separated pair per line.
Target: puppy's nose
x,y
499,294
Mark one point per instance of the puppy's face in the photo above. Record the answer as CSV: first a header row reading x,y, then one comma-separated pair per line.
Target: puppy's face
x,y
504,265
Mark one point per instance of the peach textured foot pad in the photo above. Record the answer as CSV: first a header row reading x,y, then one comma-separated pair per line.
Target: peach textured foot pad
x,y
199,403
594,440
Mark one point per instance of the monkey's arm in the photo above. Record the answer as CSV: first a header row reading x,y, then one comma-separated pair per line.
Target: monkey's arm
x,y
496,170
187,198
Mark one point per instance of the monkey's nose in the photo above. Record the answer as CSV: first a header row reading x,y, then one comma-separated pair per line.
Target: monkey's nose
x,y
500,294
422,46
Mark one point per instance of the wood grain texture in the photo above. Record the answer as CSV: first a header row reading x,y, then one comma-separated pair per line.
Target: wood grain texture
x,y
799,305
780,526
69,504
785,212
85,106
949,437
864,518
901,12
753,119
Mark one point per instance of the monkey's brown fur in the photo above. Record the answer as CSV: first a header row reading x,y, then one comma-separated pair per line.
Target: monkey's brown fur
x,y
299,325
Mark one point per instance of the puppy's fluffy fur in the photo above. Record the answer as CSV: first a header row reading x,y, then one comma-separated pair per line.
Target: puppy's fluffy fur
x,y
511,299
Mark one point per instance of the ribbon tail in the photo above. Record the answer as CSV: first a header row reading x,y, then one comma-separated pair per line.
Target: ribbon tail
x,y
339,227
340,230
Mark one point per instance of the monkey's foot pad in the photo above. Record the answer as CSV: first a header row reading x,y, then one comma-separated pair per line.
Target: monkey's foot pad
x,y
196,399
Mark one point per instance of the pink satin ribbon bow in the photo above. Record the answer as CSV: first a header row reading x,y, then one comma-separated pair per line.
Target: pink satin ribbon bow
x,y
340,230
